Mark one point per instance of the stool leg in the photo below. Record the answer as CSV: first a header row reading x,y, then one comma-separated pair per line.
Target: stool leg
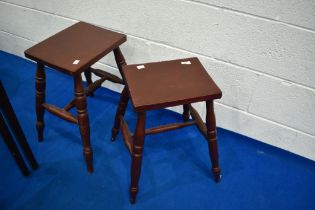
x,y
40,86
8,139
83,121
121,109
88,77
137,156
186,112
124,97
120,60
212,140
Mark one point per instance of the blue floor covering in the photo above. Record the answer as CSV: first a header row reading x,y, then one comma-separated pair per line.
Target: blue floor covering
x,y
176,168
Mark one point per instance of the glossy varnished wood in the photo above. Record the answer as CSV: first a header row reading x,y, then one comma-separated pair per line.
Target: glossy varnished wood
x,y
88,77
70,105
92,86
63,114
169,127
199,122
40,86
121,109
81,41
73,51
212,140
83,121
120,59
159,85
137,156
169,83
127,135
108,76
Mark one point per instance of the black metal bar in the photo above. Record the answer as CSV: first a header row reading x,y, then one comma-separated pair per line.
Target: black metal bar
x,y
8,113
8,139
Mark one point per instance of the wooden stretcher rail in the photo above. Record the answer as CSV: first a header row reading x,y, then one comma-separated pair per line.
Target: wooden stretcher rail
x,y
126,135
196,117
70,105
168,127
109,76
63,114
92,87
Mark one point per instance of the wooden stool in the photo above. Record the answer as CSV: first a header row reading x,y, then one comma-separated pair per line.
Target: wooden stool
x,y
73,51
164,84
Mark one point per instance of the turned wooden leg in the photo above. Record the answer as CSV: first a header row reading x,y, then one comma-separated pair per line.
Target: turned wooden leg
x,y
186,112
212,140
120,60
137,156
121,109
83,121
40,86
88,77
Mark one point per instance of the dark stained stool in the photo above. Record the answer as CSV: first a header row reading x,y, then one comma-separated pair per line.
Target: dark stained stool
x,y
164,84
8,123
73,51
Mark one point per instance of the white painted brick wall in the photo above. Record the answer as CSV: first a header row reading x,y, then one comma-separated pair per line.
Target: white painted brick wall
x,y
261,53
295,12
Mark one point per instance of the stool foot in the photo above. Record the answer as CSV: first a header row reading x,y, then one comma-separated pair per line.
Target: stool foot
x,y
88,156
133,194
217,174
114,134
212,140
83,121
136,161
40,130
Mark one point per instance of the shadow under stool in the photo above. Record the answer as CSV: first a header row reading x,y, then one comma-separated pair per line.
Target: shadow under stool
x,y
164,84
73,51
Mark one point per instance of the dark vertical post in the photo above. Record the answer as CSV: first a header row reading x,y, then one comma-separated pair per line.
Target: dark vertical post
x,y
185,112
83,121
120,60
212,140
121,109
8,139
8,112
88,77
137,156
40,86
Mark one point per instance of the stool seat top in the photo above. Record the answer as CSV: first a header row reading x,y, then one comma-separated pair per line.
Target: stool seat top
x,y
75,48
169,83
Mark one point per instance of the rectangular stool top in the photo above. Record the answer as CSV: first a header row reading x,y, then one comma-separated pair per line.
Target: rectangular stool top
x,y
169,83
75,48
